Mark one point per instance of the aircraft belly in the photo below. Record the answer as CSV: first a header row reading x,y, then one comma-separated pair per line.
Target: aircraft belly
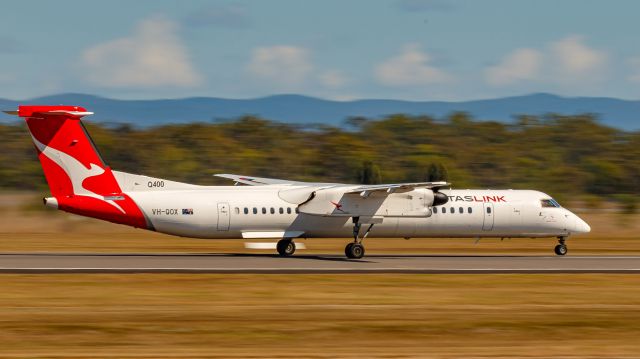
x,y
341,227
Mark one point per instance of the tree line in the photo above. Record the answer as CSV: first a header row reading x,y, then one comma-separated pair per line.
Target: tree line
x,y
562,155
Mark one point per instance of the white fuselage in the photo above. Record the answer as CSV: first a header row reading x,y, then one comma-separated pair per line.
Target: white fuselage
x,y
260,212
81,183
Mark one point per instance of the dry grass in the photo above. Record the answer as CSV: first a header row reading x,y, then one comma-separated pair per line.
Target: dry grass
x,y
407,316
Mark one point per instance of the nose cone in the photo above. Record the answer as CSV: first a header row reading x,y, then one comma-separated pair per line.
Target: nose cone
x,y
581,226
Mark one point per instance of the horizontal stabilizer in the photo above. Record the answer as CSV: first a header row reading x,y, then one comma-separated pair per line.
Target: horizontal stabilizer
x,y
35,111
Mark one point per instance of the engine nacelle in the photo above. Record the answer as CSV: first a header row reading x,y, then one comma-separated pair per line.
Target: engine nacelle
x,y
440,198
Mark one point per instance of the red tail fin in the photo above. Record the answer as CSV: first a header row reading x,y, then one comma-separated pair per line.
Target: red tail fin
x,y
78,178
69,159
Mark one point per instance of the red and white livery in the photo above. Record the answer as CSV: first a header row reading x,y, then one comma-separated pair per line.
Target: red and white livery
x,y
265,208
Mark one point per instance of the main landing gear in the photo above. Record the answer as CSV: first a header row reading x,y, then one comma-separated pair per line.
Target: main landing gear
x,y
286,247
561,248
355,249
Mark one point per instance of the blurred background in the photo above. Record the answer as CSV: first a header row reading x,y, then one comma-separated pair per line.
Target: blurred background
x,y
484,94
496,94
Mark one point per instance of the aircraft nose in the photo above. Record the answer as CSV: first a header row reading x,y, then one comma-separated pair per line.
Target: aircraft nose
x,y
581,226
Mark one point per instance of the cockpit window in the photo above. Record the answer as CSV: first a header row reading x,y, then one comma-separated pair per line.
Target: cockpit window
x,y
549,203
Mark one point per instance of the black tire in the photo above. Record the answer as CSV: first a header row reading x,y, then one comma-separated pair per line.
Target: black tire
x,y
355,251
560,249
286,247
347,250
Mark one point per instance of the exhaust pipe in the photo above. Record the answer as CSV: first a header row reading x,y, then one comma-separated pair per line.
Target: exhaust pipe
x,y
50,202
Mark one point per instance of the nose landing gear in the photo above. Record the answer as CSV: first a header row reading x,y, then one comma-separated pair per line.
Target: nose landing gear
x,y
561,248
355,249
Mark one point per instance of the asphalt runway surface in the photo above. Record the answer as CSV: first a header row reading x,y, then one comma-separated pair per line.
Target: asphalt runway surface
x,y
265,263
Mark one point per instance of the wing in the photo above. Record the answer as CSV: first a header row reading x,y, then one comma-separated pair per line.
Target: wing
x,y
365,190
262,181
370,200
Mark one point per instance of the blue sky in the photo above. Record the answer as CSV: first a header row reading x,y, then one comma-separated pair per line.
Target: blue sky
x,y
400,49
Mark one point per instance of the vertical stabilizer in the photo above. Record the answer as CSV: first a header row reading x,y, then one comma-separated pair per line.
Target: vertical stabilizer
x,y
78,178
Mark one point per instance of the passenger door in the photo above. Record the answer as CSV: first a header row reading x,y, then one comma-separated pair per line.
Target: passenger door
x,y
223,216
487,225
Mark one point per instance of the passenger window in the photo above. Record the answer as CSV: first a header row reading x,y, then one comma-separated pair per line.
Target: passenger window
x,y
461,210
452,210
237,210
297,211
488,209
264,210
255,210
273,211
435,210
469,210
281,210
246,210
288,210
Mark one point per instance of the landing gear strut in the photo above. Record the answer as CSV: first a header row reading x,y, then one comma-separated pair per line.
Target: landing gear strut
x,y
355,249
561,248
286,247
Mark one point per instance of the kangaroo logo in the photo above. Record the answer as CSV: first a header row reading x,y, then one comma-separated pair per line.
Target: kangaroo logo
x,y
75,170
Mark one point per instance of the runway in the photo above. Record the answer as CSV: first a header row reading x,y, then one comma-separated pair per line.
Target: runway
x,y
262,263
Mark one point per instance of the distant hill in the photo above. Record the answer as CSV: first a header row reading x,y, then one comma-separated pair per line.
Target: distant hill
x,y
623,114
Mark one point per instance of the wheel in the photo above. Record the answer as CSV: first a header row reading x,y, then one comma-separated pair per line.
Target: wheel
x,y
354,250
347,250
560,249
286,247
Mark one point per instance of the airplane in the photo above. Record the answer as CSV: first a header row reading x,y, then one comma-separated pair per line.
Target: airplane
x,y
276,209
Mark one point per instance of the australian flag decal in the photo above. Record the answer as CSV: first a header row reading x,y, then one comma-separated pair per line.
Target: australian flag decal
x,y
187,211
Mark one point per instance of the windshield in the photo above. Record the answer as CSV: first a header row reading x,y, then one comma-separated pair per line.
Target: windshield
x,y
549,203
